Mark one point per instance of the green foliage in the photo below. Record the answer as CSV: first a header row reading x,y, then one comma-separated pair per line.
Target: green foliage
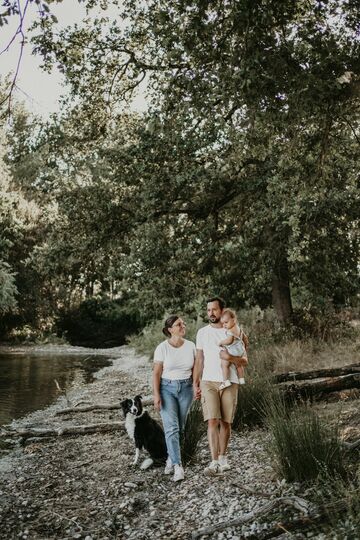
x,y
195,429
8,290
302,446
98,323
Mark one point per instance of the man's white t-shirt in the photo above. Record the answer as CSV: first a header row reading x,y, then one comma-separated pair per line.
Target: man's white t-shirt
x,y
207,340
177,361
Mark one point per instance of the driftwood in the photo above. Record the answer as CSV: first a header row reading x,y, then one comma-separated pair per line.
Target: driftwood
x,y
316,374
68,430
317,389
315,518
311,516
99,406
300,504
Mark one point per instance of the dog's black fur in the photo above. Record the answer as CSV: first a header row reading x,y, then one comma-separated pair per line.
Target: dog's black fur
x,y
145,432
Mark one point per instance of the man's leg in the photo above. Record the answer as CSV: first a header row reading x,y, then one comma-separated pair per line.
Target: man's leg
x,y
224,436
213,437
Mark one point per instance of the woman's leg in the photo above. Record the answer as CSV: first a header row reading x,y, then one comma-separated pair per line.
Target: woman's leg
x,y
170,416
185,398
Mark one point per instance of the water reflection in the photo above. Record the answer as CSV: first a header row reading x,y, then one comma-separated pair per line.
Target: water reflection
x,y
27,383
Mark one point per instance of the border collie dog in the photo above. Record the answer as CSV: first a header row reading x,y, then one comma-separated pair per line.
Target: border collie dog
x,y
146,433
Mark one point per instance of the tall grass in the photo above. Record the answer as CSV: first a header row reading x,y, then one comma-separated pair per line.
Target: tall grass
x,y
195,428
343,518
254,398
302,446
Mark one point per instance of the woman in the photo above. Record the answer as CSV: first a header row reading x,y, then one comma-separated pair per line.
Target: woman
x,y
173,392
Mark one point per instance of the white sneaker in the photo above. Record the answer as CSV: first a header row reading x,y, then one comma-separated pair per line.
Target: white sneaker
x,y
178,473
223,464
241,381
213,469
169,467
224,385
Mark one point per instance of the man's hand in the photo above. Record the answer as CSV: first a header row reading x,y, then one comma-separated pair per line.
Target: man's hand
x,y
197,391
157,402
239,361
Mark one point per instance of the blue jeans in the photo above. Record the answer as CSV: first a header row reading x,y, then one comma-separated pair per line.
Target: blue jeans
x,y
176,397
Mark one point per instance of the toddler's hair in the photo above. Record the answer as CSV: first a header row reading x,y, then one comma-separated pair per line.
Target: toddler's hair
x,y
230,312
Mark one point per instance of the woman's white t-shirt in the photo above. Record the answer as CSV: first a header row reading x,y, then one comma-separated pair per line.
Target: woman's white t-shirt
x,y
177,361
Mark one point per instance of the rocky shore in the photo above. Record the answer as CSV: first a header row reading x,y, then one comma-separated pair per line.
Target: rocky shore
x,y
86,487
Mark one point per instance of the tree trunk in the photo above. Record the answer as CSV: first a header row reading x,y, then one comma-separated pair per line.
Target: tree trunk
x,y
281,296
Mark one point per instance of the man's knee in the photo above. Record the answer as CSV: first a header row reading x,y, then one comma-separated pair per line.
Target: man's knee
x,y
213,423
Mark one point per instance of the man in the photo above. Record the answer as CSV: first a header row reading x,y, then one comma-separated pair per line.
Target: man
x,y
218,407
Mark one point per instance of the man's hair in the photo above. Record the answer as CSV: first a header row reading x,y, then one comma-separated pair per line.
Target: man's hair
x,y
220,301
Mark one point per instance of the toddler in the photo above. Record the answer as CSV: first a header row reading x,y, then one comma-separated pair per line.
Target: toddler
x,y
234,344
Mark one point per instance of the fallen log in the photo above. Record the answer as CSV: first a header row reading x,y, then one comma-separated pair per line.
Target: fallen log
x,y
300,504
64,430
316,374
99,406
316,389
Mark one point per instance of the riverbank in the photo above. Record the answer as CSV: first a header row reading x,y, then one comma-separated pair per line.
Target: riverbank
x,y
85,486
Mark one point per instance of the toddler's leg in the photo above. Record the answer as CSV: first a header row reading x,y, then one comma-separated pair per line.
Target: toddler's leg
x,y
225,367
241,374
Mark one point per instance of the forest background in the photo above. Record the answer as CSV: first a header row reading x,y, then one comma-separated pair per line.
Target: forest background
x,y
240,179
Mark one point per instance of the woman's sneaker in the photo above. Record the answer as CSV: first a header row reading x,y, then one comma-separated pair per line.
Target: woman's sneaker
x,y
169,467
213,469
178,473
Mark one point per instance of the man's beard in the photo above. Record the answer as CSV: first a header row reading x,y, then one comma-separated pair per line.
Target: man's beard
x,y
214,320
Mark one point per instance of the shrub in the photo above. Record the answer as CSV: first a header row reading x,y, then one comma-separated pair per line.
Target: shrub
x,y
98,322
195,428
301,445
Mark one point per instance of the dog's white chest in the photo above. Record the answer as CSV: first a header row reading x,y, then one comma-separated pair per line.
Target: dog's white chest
x,y
130,425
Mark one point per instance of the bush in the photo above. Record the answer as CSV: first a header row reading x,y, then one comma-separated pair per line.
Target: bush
x,y
195,428
301,445
98,322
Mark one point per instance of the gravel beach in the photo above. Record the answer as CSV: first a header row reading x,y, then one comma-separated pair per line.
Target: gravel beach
x,y
85,486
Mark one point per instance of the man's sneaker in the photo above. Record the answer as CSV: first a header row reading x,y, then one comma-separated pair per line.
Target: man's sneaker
x,y
178,473
213,469
223,464
169,467
224,385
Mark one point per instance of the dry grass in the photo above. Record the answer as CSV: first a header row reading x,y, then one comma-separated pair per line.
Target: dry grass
x,y
301,355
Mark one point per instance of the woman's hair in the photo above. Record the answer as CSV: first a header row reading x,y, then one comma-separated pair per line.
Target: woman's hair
x,y
230,312
168,324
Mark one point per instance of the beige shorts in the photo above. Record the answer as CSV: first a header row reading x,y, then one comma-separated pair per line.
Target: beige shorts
x,y
217,404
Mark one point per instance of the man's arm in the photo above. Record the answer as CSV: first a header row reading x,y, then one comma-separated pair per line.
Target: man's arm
x,y
197,372
239,361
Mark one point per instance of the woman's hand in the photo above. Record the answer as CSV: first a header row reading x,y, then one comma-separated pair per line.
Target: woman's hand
x,y
157,402
196,391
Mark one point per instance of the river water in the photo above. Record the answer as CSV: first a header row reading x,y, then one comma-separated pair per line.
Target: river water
x,y
27,382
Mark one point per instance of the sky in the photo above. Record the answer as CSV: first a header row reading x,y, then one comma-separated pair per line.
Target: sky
x,y
38,90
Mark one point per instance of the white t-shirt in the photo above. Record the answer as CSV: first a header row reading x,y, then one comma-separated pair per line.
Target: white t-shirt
x,y
177,361
207,340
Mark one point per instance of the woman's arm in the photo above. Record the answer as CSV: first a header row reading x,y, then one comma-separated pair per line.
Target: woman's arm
x,y
197,372
157,372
